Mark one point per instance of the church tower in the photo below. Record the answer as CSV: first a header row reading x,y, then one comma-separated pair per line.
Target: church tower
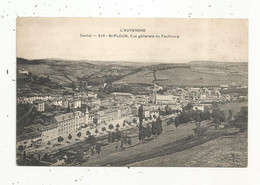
x,y
86,116
154,94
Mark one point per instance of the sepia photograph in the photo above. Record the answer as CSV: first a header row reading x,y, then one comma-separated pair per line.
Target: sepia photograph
x,y
132,92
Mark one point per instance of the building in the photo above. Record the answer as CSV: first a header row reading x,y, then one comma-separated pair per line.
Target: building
x,y
39,106
70,122
49,132
92,95
75,104
150,111
28,139
198,107
65,102
56,102
23,71
166,99
119,95
107,116
224,87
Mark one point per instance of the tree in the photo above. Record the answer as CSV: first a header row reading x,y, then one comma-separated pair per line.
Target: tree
x,y
206,114
118,134
110,126
148,131
117,125
98,148
92,140
230,115
96,131
20,148
60,139
141,129
109,137
113,137
197,116
154,128
104,129
88,133
218,114
159,126
241,119
79,134
177,122
198,130
169,122
129,141
70,137
216,123
141,134
189,106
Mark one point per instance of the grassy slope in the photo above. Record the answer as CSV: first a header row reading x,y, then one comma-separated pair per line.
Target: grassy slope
x,y
169,144
198,74
221,152
186,76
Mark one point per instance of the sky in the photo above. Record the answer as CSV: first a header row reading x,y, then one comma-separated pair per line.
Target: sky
x,y
224,40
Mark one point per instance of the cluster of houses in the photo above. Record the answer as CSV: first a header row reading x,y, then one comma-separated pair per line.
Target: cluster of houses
x,y
102,112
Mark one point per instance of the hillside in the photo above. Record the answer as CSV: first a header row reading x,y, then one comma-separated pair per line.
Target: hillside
x,y
205,73
193,73
221,152
65,72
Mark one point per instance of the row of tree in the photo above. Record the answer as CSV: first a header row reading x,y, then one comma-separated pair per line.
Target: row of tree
x,y
147,131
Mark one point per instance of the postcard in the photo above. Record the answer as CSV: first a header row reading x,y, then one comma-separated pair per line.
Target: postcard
x,y
147,92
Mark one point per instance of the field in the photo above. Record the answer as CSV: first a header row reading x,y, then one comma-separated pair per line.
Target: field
x,y
221,152
65,72
193,73
196,74
145,77
179,147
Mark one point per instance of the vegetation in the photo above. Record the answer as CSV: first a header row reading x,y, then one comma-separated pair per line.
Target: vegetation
x,y
104,129
141,128
79,134
218,116
88,133
92,140
60,139
110,126
241,119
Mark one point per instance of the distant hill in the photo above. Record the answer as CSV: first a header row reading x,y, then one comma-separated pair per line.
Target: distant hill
x,y
198,73
191,73
203,62
67,71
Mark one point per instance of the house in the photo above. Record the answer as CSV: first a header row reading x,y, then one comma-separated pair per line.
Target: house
x,y
70,122
224,87
92,95
150,111
49,132
56,102
23,71
198,107
75,103
39,105
28,139
107,116
166,99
